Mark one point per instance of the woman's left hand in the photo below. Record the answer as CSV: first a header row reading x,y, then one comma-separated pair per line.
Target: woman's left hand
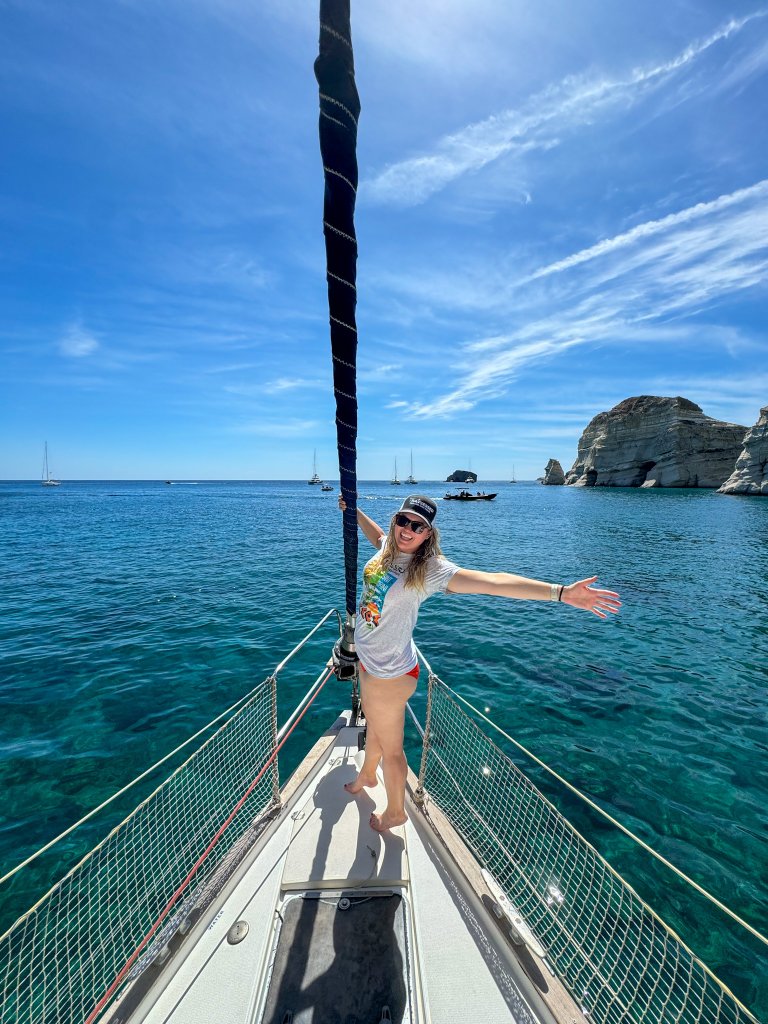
x,y
581,595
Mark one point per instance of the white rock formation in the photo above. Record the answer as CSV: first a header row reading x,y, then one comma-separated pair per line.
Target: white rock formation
x,y
553,474
750,475
656,442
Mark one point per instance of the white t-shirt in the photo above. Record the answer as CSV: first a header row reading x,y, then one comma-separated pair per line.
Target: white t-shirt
x,y
389,610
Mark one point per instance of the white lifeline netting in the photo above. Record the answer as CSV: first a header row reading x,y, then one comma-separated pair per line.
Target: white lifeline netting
x,y
620,961
58,960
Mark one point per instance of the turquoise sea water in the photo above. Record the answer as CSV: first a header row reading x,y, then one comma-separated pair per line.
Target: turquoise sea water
x,y
133,613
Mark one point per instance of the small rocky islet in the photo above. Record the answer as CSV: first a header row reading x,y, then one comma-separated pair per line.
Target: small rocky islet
x,y
648,441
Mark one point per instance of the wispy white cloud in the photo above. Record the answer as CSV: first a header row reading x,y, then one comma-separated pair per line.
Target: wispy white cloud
x,y
563,107
623,290
285,428
76,342
231,368
376,372
654,227
292,384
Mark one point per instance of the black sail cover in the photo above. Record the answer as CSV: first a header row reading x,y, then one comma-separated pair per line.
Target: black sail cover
x,y
339,113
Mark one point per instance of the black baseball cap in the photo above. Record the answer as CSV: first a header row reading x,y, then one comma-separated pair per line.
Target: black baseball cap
x,y
421,506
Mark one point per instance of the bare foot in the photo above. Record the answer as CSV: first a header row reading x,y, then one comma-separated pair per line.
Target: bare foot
x,y
381,822
361,781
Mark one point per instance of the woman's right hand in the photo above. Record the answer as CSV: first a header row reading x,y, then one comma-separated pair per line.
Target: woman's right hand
x,y
342,504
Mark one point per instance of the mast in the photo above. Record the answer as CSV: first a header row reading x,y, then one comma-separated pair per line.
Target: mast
x,y
411,479
339,113
47,480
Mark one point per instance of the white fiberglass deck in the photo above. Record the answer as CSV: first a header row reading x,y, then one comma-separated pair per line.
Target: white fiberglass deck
x,y
460,969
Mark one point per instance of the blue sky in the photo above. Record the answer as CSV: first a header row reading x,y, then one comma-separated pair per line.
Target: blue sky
x,y
561,205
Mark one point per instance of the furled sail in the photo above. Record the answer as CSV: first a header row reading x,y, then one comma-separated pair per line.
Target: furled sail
x,y
339,112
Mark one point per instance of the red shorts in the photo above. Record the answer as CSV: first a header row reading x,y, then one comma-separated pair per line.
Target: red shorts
x,y
414,671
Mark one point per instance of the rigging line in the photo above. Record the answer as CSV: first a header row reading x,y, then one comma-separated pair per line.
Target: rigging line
x,y
349,327
197,865
334,119
129,785
338,103
596,807
338,231
554,921
337,35
436,679
238,703
341,279
301,643
330,170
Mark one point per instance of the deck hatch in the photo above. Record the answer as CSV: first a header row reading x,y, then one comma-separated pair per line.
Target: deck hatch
x,y
340,958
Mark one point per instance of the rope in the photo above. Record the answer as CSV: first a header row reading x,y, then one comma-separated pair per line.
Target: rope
x,y
596,807
198,863
616,962
128,786
335,73
168,756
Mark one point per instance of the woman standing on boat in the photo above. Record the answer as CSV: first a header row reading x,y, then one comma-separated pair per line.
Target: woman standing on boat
x,y
408,569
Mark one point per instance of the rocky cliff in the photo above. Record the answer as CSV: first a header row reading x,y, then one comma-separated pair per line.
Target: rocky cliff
x,y
462,476
553,474
750,475
656,442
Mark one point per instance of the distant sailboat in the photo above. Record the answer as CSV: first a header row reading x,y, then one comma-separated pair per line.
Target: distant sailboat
x,y
48,480
513,480
394,479
411,479
315,478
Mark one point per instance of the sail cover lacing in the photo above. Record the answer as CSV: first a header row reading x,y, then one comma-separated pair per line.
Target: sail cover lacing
x,y
339,112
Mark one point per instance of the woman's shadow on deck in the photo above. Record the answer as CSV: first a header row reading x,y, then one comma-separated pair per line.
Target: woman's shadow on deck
x,y
339,958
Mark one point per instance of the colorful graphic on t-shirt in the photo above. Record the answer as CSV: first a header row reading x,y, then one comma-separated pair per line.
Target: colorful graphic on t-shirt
x,y
376,583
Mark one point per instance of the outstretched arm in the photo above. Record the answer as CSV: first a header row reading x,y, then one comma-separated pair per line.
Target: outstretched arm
x,y
504,584
371,530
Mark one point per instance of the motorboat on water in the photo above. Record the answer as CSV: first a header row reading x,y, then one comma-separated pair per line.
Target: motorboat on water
x,y
232,895
326,487
468,496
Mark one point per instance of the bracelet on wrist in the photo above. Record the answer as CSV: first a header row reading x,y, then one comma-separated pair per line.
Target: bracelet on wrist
x,y
560,595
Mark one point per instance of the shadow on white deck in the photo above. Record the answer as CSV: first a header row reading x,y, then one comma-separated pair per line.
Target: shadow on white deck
x,y
462,970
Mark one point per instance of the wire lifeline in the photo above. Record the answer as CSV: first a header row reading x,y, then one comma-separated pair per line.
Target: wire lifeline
x,y
43,849
101,1003
582,796
630,942
238,705
335,73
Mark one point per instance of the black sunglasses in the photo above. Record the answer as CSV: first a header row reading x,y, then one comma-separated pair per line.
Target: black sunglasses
x,y
414,525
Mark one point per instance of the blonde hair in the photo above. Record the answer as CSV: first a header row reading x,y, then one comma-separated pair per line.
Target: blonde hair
x,y
416,572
